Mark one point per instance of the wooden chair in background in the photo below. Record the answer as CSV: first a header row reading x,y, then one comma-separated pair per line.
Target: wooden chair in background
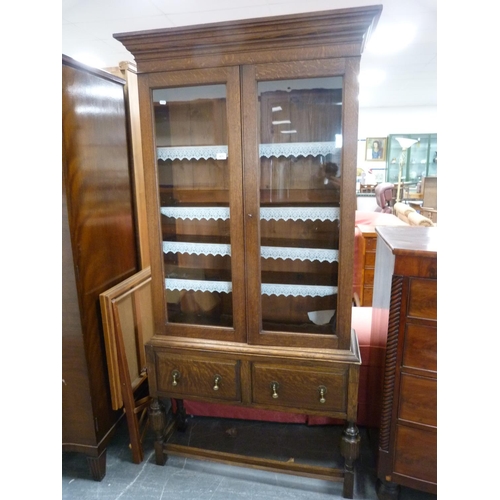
x,y
127,317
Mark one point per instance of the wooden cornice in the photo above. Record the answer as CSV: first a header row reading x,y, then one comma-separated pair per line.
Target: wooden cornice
x,y
340,33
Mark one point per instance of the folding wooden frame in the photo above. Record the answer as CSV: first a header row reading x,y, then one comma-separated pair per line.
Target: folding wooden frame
x,y
127,318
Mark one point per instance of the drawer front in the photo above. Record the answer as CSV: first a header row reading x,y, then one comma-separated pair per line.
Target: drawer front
x,y
422,302
188,376
420,347
415,453
418,400
367,296
369,274
296,387
370,259
371,243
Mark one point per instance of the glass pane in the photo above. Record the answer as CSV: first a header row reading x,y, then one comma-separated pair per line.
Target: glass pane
x,y
417,166
433,158
394,158
301,168
191,141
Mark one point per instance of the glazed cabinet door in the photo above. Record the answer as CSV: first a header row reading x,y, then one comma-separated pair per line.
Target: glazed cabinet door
x,y
299,153
194,197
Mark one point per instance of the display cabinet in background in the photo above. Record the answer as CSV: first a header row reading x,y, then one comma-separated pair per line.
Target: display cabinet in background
x,y
421,158
249,139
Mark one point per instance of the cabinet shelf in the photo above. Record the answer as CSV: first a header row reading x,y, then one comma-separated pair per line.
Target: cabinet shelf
x,y
297,149
266,252
196,213
295,196
300,213
220,152
266,213
277,289
192,152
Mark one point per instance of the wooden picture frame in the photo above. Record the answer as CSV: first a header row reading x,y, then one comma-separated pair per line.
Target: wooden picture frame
x,y
376,148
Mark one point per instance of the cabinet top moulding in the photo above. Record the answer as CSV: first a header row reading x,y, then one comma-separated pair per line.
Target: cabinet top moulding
x,y
323,34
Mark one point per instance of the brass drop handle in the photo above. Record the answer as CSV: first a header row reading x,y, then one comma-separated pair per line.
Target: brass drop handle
x,y
274,387
176,375
322,392
217,381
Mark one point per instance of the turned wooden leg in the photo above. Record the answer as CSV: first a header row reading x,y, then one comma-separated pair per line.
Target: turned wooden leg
x,y
349,449
387,490
158,423
180,415
97,466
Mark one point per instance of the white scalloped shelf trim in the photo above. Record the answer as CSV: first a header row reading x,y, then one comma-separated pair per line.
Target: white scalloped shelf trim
x,y
196,248
297,149
300,213
196,212
286,149
266,289
198,285
297,290
293,253
192,152
266,213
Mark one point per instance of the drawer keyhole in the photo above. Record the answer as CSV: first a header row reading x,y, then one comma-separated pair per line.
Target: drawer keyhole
x,y
322,392
217,381
175,377
274,387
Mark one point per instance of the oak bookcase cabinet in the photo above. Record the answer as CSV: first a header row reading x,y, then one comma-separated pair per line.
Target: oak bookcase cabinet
x,y
249,137
98,249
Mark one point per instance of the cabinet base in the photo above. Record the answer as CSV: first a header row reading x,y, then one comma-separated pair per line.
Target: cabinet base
x,y
165,426
97,466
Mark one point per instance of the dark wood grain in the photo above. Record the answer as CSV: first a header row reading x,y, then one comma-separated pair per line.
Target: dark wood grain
x,y
99,247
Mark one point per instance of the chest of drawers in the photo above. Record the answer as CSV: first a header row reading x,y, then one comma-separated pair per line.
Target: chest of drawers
x,y
405,311
368,245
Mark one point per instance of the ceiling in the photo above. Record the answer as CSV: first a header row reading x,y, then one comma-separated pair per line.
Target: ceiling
x,y
409,75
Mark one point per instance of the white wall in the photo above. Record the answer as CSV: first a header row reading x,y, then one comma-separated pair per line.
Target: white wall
x,y
381,122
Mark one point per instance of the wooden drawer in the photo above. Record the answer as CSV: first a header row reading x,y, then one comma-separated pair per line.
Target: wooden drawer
x,y
422,302
297,387
370,259
415,453
195,377
418,400
369,276
367,296
420,347
370,243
